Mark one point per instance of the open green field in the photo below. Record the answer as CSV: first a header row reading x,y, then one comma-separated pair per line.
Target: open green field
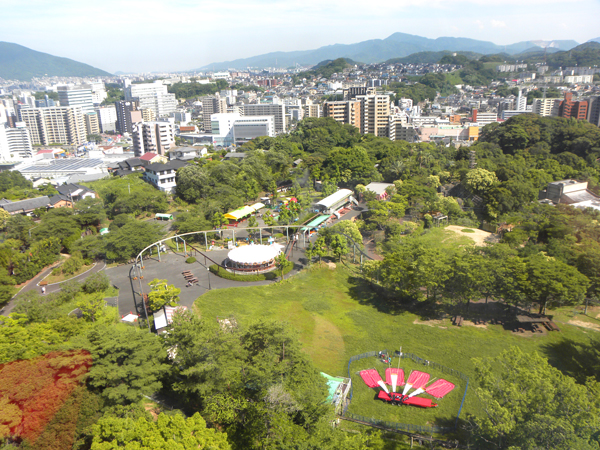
x,y
338,315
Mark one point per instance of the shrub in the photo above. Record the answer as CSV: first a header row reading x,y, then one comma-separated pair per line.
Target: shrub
x,y
219,271
97,282
468,230
190,260
72,265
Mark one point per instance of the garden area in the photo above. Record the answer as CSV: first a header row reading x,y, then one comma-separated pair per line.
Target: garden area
x,y
338,315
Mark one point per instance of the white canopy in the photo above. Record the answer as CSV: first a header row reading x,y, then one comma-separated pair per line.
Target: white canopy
x,y
254,254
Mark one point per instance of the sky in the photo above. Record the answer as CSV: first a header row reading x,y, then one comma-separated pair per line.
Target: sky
x,y
178,35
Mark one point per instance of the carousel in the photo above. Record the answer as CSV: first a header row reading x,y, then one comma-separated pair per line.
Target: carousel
x,y
253,258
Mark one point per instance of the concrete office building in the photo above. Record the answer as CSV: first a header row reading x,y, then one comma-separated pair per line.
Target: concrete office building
x,y
547,107
15,143
269,109
156,137
76,96
58,125
154,96
521,102
348,112
107,118
375,110
125,115
212,105
248,128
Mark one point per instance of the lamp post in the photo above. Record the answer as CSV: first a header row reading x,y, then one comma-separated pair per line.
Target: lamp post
x,y
32,229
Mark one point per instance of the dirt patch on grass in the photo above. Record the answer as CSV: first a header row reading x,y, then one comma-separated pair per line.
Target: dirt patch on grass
x,y
468,323
579,323
430,323
480,237
327,343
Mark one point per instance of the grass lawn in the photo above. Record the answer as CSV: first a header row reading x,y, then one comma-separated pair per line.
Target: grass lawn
x,y
338,315
64,277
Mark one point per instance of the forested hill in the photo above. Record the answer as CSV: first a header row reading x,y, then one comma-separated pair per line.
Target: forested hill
x,y
22,63
586,55
566,138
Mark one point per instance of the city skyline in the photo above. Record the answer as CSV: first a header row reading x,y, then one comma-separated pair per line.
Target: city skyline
x,y
154,35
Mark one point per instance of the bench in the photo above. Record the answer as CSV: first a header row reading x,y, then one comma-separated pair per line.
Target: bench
x,y
553,326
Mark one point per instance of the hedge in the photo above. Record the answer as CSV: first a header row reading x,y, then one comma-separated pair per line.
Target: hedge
x,y
220,272
190,260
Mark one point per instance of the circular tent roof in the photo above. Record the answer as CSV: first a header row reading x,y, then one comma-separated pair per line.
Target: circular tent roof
x,y
254,254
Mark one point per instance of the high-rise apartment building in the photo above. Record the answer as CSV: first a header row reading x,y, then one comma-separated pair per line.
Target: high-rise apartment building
x,y
124,110
348,112
375,110
521,102
570,109
92,124
594,111
157,137
212,105
269,109
76,96
58,125
154,96
546,106
15,143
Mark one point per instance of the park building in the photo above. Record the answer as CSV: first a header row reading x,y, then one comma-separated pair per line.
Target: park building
x,y
336,202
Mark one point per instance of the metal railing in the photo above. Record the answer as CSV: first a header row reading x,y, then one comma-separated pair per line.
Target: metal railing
x,y
404,426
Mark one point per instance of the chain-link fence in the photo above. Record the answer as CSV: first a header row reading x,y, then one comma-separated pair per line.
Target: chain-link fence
x,y
404,426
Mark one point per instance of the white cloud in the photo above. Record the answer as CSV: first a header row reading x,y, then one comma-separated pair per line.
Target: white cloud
x,y
498,24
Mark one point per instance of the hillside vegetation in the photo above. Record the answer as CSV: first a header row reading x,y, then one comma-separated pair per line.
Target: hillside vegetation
x,y
22,63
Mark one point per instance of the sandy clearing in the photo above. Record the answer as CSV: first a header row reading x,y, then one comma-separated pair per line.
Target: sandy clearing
x,y
480,237
579,323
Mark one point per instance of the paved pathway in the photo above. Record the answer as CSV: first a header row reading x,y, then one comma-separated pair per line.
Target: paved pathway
x,y
170,267
33,284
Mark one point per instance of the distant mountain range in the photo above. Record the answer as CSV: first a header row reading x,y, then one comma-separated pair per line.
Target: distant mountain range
x,y
397,45
22,63
595,40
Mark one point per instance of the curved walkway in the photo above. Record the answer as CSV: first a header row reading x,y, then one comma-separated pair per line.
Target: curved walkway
x,y
33,284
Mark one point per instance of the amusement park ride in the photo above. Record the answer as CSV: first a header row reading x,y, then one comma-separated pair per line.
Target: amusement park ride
x,y
417,380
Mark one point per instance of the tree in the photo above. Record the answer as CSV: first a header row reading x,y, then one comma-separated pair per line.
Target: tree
x,y
128,363
551,280
7,286
480,180
4,216
127,241
219,220
92,307
162,294
529,405
97,282
281,262
320,247
338,245
168,432
89,212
